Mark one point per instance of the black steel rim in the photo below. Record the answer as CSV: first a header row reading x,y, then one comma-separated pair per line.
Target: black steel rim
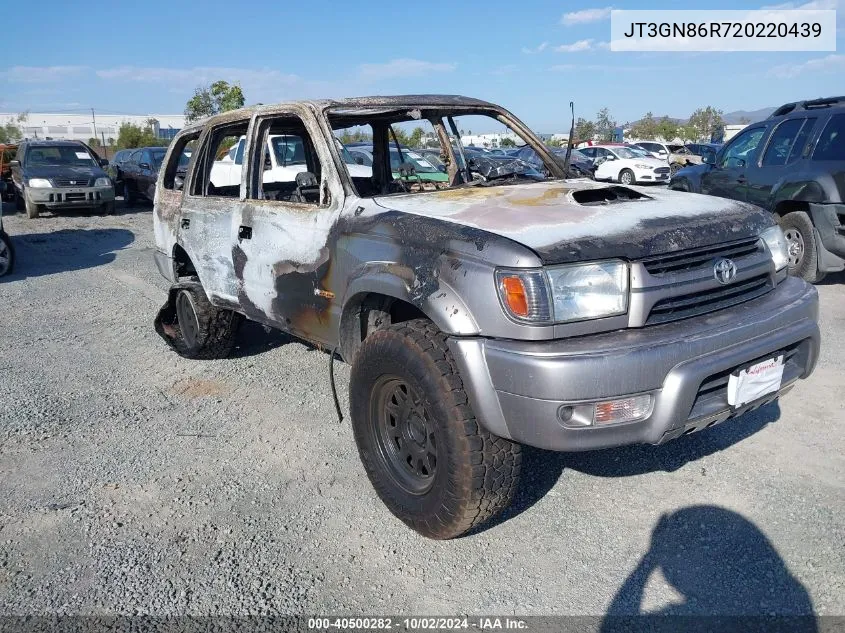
x,y
405,435
794,245
187,317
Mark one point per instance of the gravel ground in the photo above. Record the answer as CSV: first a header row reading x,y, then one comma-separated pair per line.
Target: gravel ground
x,y
134,481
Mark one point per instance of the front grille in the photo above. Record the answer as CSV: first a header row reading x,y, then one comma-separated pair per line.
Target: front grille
x,y
695,303
71,182
700,257
661,170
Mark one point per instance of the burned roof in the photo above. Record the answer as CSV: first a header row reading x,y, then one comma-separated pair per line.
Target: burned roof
x,y
348,105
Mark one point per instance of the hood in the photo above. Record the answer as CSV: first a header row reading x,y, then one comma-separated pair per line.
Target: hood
x,y
63,171
567,221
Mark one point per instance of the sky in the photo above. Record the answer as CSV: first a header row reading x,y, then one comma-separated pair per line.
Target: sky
x,y
533,57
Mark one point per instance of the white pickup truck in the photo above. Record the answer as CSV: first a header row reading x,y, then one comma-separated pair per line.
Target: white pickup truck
x,y
284,158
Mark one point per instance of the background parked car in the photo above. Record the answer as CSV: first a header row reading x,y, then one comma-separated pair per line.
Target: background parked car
x,y
7,251
792,164
704,149
60,175
626,165
7,155
115,168
140,172
580,166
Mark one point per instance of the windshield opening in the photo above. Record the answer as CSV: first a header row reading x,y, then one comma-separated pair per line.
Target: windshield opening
x,y
406,149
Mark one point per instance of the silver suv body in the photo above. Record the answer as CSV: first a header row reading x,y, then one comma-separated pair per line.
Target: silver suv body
x,y
563,314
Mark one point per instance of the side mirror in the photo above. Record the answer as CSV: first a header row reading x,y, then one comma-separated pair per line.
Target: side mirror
x,y
178,183
359,161
267,164
708,159
104,162
14,163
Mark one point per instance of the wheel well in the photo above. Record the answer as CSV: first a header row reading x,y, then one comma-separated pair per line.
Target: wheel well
x,y
788,206
366,313
182,264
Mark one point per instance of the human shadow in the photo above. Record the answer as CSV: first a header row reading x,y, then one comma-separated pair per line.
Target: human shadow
x,y
39,254
542,469
728,575
833,279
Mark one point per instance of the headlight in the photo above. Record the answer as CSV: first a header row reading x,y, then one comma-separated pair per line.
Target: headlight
x,y
565,293
102,182
775,240
641,166
38,183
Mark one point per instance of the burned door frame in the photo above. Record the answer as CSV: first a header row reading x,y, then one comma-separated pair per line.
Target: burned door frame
x,y
206,220
283,250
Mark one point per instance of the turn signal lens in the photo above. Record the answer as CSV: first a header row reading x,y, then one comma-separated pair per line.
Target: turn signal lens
x,y
625,410
513,291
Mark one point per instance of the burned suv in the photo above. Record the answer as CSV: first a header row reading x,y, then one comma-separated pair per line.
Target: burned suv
x,y
483,312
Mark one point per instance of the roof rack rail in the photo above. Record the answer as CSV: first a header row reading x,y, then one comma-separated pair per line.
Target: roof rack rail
x,y
807,105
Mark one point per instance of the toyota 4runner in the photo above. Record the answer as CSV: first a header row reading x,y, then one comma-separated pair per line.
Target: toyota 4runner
x,y
480,313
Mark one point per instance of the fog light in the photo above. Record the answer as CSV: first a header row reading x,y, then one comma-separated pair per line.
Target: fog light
x,y
624,410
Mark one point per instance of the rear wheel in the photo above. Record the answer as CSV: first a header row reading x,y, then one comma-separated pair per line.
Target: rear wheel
x,y
626,177
7,255
195,328
801,246
430,461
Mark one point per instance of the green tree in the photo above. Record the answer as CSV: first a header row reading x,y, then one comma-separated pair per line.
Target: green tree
x,y
11,131
214,99
417,134
130,135
667,129
584,130
707,122
604,125
507,141
94,142
645,128
688,133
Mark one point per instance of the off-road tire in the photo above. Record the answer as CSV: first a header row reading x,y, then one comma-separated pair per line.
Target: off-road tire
x,y
798,224
476,472
629,174
7,252
32,209
216,329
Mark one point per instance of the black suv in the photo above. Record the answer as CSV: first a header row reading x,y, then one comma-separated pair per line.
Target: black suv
x,y
792,164
140,172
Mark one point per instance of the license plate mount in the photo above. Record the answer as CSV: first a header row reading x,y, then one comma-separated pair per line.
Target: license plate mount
x,y
752,383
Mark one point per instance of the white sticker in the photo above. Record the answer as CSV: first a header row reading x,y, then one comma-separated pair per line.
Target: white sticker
x,y
83,156
755,382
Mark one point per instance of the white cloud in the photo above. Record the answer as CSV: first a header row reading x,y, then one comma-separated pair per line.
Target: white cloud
x,y
585,16
822,65
198,75
402,68
507,69
41,74
575,47
533,51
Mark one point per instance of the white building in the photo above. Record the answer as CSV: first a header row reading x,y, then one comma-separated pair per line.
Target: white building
x,y
80,127
489,140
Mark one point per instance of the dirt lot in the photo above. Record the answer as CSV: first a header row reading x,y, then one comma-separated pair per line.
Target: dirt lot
x,y
133,481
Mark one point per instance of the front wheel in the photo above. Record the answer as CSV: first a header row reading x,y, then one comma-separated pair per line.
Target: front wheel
x,y
430,461
7,255
801,246
32,209
626,177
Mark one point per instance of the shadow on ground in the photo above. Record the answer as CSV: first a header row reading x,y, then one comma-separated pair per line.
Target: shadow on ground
x,y
542,469
719,564
38,254
254,339
833,279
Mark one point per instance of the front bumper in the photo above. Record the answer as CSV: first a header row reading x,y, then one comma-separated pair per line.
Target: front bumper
x,y
68,197
517,387
649,175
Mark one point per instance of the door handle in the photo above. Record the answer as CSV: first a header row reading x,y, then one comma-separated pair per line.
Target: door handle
x,y
186,222
244,232
741,180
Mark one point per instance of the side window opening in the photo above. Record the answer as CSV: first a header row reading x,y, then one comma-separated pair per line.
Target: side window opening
x,y
831,143
287,168
780,144
214,176
743,148
180,160
801,140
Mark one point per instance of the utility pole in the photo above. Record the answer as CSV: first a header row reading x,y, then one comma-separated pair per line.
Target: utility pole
x,y
94,121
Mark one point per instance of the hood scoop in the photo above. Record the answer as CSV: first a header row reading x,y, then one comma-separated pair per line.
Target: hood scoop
x,y
607,195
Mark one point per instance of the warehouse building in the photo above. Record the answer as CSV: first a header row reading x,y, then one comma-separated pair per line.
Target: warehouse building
x,y
81,127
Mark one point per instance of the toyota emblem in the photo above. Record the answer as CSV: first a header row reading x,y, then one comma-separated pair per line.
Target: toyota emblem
x,y
724,270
